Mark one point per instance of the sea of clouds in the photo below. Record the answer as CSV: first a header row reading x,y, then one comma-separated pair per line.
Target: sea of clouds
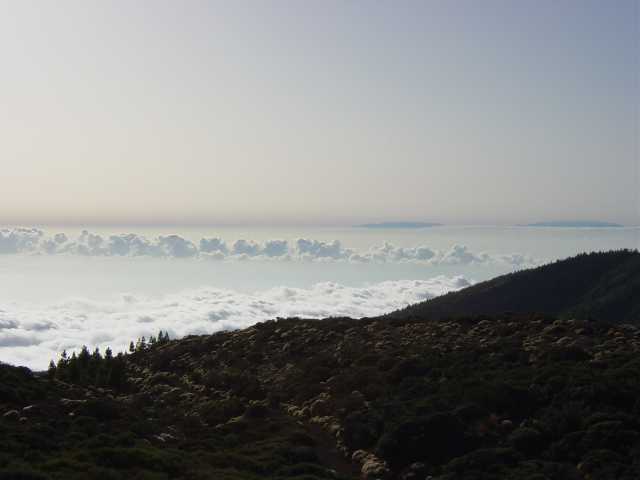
x,y
31,335
36,241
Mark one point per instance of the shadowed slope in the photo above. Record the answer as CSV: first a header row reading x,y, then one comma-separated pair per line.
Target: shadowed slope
x,y
603,286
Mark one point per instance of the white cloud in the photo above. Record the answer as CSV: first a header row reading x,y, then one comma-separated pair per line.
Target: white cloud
x,y
16,338
460,255
314,249
19,240
246,247
176,246
32,335
389,253
213,245
34,241
275,248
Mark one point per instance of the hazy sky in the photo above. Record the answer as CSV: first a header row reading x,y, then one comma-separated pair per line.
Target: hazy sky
x,y
318,111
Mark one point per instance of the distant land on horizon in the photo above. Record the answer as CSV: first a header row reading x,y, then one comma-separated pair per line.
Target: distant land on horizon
x,y
574,224
399,225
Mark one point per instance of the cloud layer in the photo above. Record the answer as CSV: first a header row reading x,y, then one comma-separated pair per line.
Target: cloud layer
x,y
32,335
35,241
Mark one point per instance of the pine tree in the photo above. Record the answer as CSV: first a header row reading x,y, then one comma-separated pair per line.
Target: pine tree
x,y
51,372
132,347
74,370
163,337
84,357
61,367
94,367
117,377
91,369
108,367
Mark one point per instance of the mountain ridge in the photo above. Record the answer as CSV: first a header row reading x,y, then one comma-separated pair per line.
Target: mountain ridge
x,y
598,285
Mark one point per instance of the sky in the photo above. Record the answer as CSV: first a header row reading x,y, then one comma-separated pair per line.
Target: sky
x,y
332,112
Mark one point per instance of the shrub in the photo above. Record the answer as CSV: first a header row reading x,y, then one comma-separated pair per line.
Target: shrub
x,y
22,475
410,367
435,438
361,429
527,440
101,408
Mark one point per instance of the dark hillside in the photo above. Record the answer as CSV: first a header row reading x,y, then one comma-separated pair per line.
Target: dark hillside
x,y
503,397
602,286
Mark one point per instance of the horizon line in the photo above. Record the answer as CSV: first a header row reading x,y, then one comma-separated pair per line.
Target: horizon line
x,y
432,224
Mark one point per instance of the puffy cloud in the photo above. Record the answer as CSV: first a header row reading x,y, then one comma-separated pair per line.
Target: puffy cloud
x,y
31,241
176,246
246,247
314,249
136,245
389,253
17,338
213,245
460,255
32,335
456,255
275,248
51,245
60,238
6,322
19,240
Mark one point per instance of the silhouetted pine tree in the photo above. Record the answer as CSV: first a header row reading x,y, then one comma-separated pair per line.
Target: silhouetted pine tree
x,y
74,370
51,371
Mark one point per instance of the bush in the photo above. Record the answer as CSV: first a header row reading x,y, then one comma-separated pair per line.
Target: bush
x,y
22,475
435,438
527,440
139,458
410,367
483,460
219,411
101,408
361,429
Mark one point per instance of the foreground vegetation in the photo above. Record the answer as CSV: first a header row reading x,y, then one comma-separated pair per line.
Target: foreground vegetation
x,y
502,397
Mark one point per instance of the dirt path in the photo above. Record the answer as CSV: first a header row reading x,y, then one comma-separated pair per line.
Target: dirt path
x,y
329,455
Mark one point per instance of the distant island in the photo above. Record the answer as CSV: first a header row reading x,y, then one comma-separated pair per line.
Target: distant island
x,y
575,224
398,225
